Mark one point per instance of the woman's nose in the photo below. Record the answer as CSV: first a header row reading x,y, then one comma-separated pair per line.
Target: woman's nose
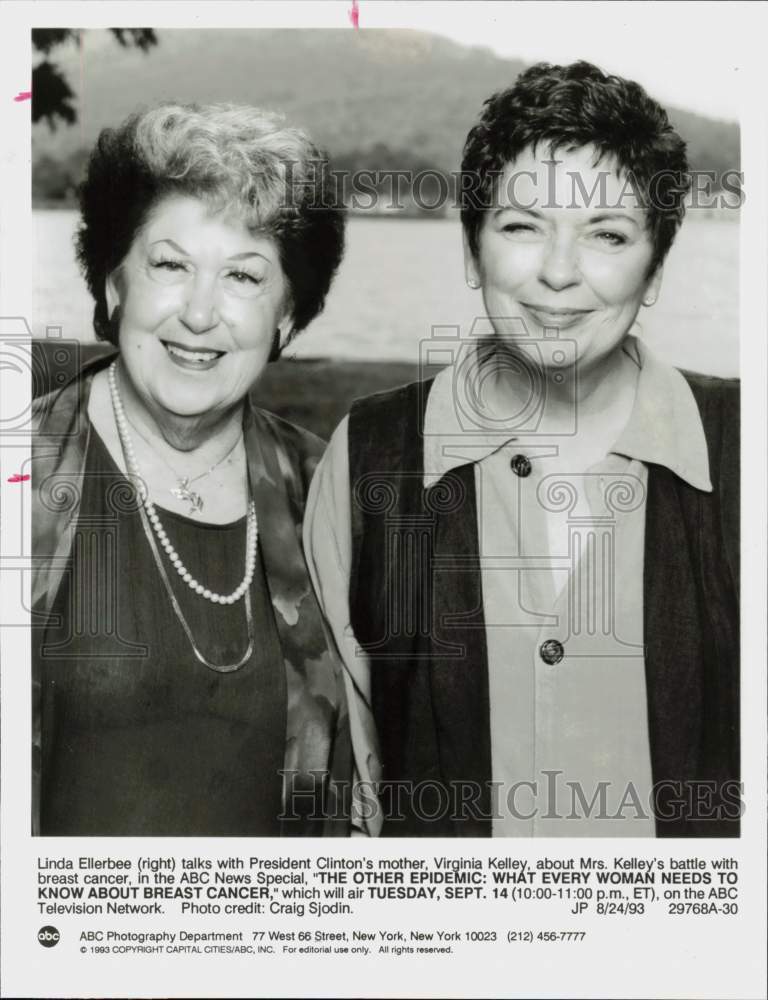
x,y
559,264
199,313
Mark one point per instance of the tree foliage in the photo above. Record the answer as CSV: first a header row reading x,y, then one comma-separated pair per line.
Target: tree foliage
x,y
52,96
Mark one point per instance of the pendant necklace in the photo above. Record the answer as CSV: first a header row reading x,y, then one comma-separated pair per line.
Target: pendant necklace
x,y
152,525
182,489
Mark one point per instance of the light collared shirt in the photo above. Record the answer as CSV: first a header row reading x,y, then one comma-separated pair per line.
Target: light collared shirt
x,y
562,582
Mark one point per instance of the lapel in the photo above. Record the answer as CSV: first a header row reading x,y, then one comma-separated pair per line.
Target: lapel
x,y
316,714
60,436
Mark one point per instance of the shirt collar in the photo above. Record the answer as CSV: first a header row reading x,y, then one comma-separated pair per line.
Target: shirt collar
x,y
664,427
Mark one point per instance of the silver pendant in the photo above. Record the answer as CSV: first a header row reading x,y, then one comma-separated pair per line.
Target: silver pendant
x,y
183,492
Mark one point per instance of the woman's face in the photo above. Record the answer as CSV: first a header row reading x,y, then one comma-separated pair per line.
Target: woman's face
x,y
200,299
565,248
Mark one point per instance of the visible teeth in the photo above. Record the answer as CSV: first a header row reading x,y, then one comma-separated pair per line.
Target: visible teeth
x,y
191,355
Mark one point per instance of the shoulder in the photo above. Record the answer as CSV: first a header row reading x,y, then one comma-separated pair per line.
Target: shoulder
x,y
41,411
719,403
297,441
386,428
330,484
284,446
718,400
327,514
394,401
54,412
710,383
715,395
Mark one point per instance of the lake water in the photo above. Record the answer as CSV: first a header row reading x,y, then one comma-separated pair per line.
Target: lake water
x,y
403,278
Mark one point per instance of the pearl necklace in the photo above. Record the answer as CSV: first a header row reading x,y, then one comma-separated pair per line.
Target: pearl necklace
x,y
154,519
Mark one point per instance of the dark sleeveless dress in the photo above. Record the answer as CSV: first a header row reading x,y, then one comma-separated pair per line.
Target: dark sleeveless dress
x,y
139,737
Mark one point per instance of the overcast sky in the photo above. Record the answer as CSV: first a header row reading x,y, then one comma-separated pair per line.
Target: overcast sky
x,y
697,55
689,54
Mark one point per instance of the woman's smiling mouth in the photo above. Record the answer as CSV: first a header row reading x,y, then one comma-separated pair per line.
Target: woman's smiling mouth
x,y
191,360
555,316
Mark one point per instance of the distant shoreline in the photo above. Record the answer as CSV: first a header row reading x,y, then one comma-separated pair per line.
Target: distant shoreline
x,y
723,214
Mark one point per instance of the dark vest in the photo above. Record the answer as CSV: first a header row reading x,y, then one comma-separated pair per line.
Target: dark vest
x,y
416,608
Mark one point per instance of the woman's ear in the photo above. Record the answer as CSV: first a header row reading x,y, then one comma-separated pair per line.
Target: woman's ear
x,y
285,330
471,275
282,336
653,287
112,292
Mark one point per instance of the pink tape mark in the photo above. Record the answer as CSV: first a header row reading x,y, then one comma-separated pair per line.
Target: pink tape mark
x,y
354,14
23,95
16,478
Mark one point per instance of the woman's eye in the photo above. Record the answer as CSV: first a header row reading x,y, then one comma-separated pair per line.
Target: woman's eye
x,y
168,265
245,284
167,271
518,227
611,238
244,278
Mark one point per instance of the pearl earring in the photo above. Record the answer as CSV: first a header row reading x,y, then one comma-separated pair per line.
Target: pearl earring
x,y
473,283
650,300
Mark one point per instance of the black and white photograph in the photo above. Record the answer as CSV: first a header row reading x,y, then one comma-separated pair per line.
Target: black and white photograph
x,y
381,475
528,561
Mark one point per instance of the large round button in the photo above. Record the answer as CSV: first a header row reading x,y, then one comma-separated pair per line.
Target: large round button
x,y
551,651
521,466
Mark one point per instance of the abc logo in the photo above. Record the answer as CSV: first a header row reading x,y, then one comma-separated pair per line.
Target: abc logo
x,y
48,936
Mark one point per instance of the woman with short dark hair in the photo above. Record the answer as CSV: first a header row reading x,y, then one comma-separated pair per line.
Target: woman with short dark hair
x,y
554,108
537,550
185,683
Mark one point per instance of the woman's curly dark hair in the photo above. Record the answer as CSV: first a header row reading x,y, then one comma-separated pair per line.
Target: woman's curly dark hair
x,y
570,107
237,158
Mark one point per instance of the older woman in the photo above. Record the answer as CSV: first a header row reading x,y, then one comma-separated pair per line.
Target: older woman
x,y
185,683
531,561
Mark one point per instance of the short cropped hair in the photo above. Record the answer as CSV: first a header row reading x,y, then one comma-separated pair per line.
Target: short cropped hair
x,y
570,107
236,158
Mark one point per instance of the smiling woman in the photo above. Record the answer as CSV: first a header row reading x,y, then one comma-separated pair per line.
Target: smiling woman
x,y
201,300
538,548
569,264
184,681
